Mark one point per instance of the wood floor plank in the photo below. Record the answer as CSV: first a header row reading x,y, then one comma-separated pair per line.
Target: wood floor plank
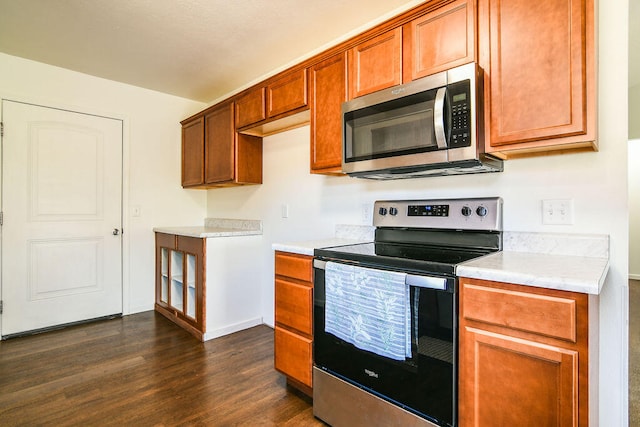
x,y
143,370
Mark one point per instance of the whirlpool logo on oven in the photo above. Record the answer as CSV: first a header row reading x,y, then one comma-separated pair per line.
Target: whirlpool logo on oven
x,y
371,373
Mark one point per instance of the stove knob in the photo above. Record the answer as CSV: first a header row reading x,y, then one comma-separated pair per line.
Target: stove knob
x,y
466,210
382,211
481,211
393,211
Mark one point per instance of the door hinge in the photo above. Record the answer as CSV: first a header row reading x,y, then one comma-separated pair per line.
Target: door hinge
x,y
1,129
1,306
1,218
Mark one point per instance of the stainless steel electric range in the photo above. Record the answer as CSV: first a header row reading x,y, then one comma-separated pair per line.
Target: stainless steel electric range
x,y
385,313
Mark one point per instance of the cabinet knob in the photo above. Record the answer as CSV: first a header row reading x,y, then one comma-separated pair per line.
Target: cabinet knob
x,y
116,231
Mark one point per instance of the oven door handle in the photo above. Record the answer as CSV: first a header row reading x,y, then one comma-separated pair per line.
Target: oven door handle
x,y
439,283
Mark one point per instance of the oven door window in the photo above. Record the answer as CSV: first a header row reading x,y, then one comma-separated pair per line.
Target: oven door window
x,y
398,127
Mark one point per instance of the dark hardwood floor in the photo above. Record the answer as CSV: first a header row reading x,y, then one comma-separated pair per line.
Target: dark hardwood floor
x,y
142,370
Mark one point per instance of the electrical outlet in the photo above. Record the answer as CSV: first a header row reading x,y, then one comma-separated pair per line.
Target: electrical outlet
x,y
367,213
557,212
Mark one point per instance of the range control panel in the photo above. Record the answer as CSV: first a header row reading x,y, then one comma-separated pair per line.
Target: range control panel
x,y
464,214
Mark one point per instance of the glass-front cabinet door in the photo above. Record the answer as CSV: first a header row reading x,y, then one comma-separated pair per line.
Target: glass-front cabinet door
x,y
180,280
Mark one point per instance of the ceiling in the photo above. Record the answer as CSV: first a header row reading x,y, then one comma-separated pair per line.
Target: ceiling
x,y
196,49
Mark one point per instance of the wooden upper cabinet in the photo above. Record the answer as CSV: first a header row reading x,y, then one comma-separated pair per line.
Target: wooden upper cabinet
x,y
538,60
220,150
193,152
328,91
439,40
376,64
287,93
215,155
250,107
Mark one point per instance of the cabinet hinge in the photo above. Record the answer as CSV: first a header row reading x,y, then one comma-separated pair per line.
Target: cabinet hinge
x,y
1,129
1,306
1,218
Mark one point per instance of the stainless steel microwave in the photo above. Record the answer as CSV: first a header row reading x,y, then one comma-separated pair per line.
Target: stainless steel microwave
x,y
427,127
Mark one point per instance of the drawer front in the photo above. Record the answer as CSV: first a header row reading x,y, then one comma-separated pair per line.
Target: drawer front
x,y
293,355
294,304
295,266
541,314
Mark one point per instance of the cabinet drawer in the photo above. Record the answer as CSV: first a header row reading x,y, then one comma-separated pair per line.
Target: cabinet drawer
x,y
250,108
294,304
293,355
552,316
287,93
294,266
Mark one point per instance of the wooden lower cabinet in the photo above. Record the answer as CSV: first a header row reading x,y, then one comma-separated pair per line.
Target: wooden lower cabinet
x,y
180,281
523,357
294,319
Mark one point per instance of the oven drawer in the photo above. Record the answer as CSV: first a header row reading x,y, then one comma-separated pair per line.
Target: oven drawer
x,y
293,355
294,266
294,305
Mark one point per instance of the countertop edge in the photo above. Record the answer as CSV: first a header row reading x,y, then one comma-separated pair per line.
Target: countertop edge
x,y
571,273
207,232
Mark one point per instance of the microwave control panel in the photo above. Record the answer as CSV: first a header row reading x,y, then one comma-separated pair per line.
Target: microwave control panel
x,y
460,101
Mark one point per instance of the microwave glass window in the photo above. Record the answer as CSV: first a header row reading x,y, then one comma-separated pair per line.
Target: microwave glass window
x,y
400,128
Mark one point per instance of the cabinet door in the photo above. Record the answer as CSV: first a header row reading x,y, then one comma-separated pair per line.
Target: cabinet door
x,y
328,92
515,382
192,251
250,108
220,149
538,63
288,93
193,152
439,40
376,64
165,244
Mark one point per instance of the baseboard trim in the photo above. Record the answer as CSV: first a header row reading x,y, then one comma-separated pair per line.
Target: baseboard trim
x,y
229,329
634,276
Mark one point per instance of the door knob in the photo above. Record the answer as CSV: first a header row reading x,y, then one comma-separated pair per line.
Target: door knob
x,y
116,231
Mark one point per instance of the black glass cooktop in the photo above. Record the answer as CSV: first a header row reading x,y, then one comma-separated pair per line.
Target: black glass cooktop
x,y
420,258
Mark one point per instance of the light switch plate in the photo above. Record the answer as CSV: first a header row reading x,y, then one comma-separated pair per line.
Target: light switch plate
x,y
557,212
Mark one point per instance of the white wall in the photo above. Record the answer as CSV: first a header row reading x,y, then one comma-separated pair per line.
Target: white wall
x,y
634,209
152,155
597,182
634,111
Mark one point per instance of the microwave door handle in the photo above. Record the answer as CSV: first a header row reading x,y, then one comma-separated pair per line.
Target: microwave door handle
x,y
438,118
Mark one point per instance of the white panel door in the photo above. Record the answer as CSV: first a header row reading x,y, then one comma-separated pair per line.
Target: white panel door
x,y
62,217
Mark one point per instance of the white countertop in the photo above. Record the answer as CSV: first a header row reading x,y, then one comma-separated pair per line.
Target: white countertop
x,y
207,232
562,272
307,247
569,262
216,227
344,235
